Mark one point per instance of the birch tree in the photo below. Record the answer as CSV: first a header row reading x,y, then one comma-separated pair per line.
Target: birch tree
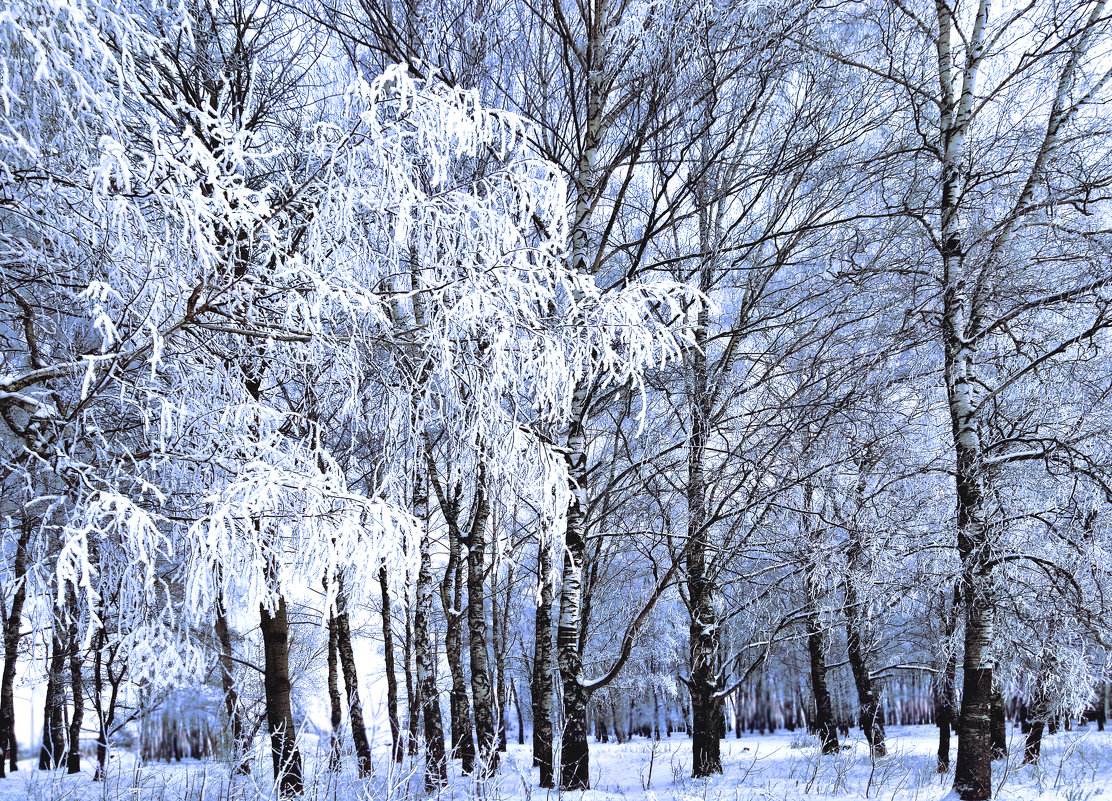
x,y
984,229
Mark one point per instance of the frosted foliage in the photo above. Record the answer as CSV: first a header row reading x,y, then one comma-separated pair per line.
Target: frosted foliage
x,y
217,271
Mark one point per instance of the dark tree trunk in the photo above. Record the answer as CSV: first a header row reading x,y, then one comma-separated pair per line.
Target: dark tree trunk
x,y
825,727
351,682
336,705
391,676
973,773
999,732
13,748
284,753
520,715
451,599
53,728
1033,745
482,690
945,687
575,758
706,719
11,651
105,718
945,719
602,732
703,645
575,771
870,714
77,686
544,666
499,625
412,686
232,706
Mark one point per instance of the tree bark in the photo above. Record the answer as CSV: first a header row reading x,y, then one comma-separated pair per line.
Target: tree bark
x,y
703,644
574,754
870,714
999,731
587,183
105,718
544,667
436,775
520,715
451,599
482,690
945,684
77,685
232,705
1033,744
336,706
499,623
11,651
53,730
973,774
391,676
412,685
825,727
285,756
351,681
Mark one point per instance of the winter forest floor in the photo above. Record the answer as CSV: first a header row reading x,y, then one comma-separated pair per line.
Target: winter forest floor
x,y
1075,766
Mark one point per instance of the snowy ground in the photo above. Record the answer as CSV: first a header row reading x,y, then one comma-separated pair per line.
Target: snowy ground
x,y
1076,766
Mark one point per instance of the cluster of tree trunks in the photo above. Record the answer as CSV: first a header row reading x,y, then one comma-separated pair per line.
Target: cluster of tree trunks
x,y
172,738
62,718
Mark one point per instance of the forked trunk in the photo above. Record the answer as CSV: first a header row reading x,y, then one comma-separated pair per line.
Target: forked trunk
x,y
105,717
451,599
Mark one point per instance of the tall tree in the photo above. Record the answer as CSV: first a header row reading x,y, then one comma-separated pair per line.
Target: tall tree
x,y
544,666
12,622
